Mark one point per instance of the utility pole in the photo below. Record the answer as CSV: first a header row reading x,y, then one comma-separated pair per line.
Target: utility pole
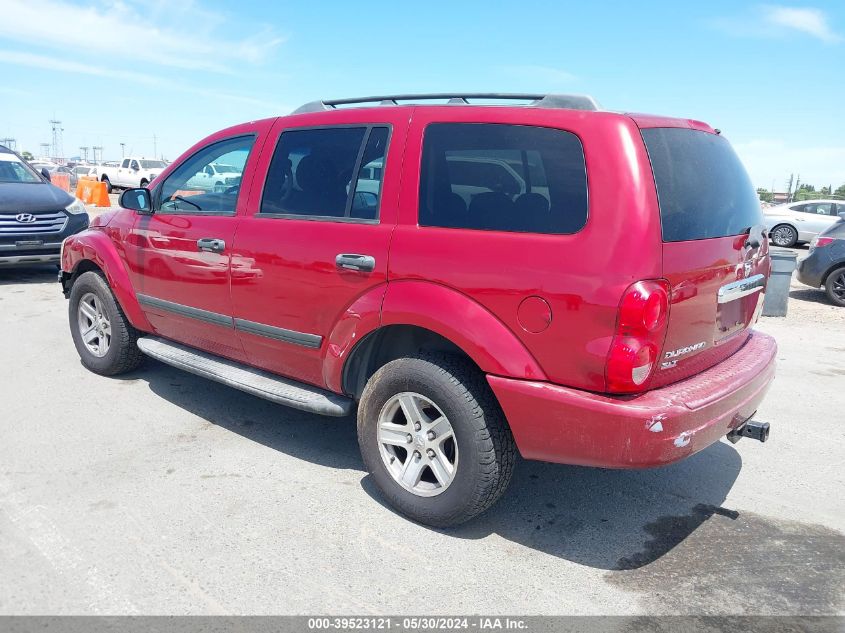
x,y
84,152
123,150
98,153
58,150
155,146
11,143
45,150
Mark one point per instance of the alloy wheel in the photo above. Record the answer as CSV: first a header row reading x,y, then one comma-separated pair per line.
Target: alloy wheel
x,y
783,236
837,287
417,444
94,325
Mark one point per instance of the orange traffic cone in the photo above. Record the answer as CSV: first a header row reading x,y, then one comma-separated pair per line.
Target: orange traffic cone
x,y
101,195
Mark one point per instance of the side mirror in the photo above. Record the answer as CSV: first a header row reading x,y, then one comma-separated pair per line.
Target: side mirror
x,y
137,200
46,174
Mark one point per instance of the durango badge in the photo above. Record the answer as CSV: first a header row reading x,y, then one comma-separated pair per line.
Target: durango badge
x,y
685,350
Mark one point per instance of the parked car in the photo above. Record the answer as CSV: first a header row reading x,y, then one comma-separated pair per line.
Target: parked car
x,y
799,222
86,171
468,313
824,267
131,172
35,216
215,177
67,171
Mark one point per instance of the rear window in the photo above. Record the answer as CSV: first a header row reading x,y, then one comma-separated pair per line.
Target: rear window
x,y
500,177
702,187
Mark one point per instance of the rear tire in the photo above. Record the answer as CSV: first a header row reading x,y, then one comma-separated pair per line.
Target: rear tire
x,y
784,236
834,286
104,338
460,459
108,184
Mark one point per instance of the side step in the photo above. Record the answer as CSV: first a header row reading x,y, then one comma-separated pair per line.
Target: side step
x,y
258,383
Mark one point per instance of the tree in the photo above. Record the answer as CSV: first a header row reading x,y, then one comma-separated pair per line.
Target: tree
x,y
840,192
767,196
27,155
805,192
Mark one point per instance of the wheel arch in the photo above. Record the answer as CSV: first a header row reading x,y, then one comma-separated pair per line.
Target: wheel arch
x,y
420,316
831,269
94,251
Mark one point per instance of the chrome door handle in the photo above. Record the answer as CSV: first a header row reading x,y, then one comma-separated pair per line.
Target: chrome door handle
x,y
211,245
352,261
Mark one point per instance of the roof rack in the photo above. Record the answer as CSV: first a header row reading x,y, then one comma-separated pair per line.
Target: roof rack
x,y
569,102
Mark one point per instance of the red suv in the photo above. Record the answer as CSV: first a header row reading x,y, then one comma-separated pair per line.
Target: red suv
x,y
542,276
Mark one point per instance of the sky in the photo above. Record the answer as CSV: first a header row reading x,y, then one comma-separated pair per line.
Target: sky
x,y
159,75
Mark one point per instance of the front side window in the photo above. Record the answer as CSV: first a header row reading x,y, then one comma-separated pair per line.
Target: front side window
x,y
189,189
326,173
503,178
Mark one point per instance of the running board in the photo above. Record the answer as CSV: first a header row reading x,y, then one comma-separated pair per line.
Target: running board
x,y
233,374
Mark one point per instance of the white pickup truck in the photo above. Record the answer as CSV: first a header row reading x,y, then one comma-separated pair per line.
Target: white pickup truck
x,y
131,172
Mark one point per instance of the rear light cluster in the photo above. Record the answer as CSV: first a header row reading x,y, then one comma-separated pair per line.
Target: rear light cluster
x,y
820,241
640,331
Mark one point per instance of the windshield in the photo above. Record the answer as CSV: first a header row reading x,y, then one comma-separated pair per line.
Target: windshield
x,y
702,187
13,169
153,164
227,169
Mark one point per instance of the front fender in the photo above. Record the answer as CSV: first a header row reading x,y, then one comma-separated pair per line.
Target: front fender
x,y
97,246
464,322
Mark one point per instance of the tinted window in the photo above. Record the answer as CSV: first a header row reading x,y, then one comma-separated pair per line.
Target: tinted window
x,y
313,172
189,189
702,186
503,178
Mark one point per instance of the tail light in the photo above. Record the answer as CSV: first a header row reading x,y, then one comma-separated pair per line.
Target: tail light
x,y
640,331
820,241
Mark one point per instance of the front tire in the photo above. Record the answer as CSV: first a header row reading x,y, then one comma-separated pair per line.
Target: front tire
x,y
104,338
784,236
434,439
109,188
834,286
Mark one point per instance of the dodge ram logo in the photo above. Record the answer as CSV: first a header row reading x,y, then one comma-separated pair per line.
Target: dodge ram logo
x,y
25,218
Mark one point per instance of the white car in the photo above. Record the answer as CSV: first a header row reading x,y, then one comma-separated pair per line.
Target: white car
x,y
799,222
215,177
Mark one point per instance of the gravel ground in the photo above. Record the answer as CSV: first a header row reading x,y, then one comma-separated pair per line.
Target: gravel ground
x,y
161,493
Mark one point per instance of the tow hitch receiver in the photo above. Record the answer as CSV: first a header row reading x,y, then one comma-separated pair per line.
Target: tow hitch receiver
x,y
753,429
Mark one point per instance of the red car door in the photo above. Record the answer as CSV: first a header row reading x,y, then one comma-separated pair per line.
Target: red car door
x,y
315,242
179,255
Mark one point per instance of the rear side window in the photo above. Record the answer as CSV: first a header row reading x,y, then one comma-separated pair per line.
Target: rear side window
x,y
327,173
502,178
702,187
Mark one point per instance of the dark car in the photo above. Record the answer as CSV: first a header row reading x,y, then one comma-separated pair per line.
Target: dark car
x,y
825,265
35,216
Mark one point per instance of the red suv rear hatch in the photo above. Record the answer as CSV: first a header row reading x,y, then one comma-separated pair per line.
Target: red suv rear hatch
x,y
715,254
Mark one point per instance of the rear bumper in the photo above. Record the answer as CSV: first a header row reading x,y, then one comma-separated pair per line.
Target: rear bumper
x,y
812,268
558,424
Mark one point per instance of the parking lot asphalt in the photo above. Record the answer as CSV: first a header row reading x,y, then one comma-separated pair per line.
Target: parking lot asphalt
x,y
162,493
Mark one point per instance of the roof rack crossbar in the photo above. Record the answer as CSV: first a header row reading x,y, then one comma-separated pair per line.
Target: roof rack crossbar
x,y
571,102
